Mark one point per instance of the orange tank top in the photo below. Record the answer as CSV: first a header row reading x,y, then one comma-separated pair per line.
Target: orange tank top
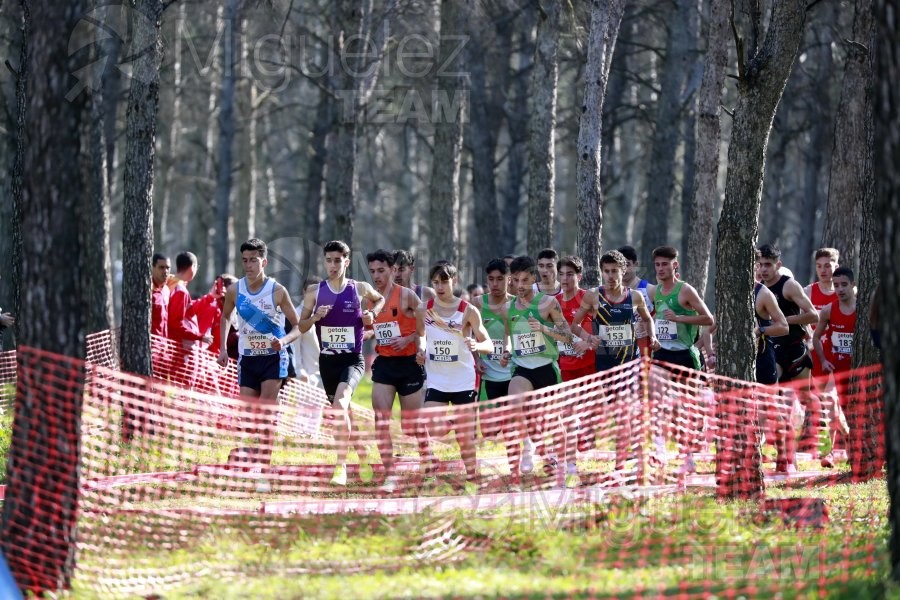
x,y
391,323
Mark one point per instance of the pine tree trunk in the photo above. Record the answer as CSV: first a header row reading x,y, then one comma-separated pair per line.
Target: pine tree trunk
x,y
443,221
315,169
162,217
542,127
887,208
604,29
852,143
38,533
137,220
667,130
761,83
227,133
699,235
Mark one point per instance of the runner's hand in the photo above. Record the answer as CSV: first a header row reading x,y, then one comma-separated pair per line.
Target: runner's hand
x,y
420,357
223,358
535,324
278,344
321,312
504,359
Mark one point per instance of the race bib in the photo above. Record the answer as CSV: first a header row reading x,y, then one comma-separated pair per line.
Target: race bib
x,y
526,344
616,336
841,342
338,338
443,350
385,332
257,344
666,331
568,349
499,349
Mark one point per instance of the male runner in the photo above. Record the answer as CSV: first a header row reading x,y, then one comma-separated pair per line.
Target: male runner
x,y
547,260
680,312
335,308
453,332
631,280
405,263
838,322
160,295
535,322
182,323
791,353
395,370
605,319
494,378
262,305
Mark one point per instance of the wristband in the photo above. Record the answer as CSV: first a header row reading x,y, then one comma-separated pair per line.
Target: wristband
x,y
762,329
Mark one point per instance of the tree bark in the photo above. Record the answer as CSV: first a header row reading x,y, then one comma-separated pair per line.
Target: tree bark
x,y
604,29
315,169
761,83
851,150
542,127
667,130
698,242
482,144
38,533
227,132
137,220
887,207
443,221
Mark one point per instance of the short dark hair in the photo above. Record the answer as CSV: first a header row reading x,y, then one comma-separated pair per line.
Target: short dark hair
x,y
497,264
548,253
310,280
442,270
769,251
158,257
509,256
381,255
629,253
669,252
571,261
185,260
844,272
337,246
522,264
256,245
471,287
227,279
614,257
404,258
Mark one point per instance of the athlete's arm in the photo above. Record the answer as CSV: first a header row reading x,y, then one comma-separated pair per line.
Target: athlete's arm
x,y
290,313
779,325
641,307
589,304
560,330
377,300
225,322
808,313
821,326
307,317
482,342
692,301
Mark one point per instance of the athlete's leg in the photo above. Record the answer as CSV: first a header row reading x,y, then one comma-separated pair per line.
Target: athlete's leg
x,y
413,424
382,405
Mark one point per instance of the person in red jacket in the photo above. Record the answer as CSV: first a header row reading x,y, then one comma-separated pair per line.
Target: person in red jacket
x,y
208,310
183,327
159,324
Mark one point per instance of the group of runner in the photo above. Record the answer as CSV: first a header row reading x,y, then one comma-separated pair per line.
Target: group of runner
x,y
535,327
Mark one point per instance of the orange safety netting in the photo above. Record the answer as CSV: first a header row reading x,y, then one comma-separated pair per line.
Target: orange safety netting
x,y
173,465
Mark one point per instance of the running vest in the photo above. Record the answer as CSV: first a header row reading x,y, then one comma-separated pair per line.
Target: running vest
x,y
392,323
496,329
671,335
260,320
796,332
569,360
840,335
449,364
762,343
614,324
341,330
557,294
530,349
820,299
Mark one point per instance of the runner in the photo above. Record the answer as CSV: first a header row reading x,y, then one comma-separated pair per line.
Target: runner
x,y
405,263
335,308
547,260
495,378
262,305
838,322
791,353
535,322
821,294
450,325
631,280
610,311
395,371
680,312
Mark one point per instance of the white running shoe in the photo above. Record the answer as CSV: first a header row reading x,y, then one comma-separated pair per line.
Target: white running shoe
x,y
527,463
390,484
